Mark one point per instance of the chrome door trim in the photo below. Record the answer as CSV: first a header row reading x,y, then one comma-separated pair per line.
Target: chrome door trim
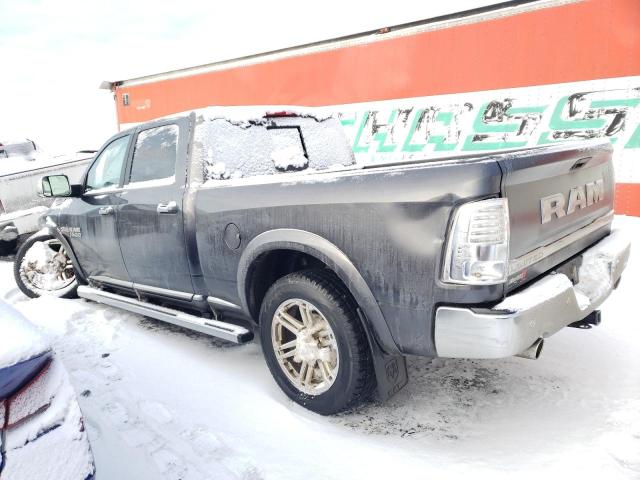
x,y
163,291
111,281
218,302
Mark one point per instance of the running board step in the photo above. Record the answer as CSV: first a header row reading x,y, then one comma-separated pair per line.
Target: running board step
x,y
215,328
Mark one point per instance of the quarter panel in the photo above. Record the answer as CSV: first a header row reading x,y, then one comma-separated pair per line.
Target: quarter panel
x,y
390,222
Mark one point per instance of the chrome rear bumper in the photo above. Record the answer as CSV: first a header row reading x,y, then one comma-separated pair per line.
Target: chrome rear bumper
x,y
537,311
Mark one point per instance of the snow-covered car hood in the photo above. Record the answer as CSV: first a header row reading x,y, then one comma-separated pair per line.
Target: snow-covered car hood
x,y
20,164
19,339
42,433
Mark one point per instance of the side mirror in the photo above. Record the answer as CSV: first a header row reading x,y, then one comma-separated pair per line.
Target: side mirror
x,y
55,186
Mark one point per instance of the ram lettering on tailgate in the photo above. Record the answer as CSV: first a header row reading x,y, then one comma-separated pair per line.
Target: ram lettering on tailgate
x,y
579,197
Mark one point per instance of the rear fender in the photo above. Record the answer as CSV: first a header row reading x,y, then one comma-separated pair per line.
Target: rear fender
x,y
325,251
390,366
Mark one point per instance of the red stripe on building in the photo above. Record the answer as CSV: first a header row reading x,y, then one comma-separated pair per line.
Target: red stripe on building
x,y
578,41
628,199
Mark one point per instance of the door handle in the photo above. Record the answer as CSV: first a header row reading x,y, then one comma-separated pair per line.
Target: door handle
x,y
169,207
105,211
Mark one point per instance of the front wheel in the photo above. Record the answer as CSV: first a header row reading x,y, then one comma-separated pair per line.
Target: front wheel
x,y
314,343
42,267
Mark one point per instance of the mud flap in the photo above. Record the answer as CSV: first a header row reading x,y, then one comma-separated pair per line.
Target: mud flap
x,y
391,370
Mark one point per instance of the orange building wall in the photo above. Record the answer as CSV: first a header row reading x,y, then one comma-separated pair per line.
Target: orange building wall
x,y
590,39
579,41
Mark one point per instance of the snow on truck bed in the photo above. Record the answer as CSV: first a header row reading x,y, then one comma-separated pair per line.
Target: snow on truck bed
x,y
164,403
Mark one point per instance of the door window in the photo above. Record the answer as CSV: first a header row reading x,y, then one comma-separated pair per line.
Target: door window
x,y
154,157
106,170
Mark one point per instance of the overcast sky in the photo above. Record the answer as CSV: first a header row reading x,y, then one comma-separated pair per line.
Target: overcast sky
x,y
55,53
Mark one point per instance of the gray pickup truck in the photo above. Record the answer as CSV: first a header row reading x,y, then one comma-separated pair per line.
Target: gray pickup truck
x,y
230,225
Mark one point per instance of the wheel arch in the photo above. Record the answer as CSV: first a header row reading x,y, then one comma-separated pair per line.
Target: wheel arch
x,y
55,232
332,257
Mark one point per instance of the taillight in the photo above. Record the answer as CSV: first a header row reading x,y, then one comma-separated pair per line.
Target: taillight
x,y
23,390
478,244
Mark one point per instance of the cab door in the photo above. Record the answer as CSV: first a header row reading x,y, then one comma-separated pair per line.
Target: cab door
x,y
89,222
149,210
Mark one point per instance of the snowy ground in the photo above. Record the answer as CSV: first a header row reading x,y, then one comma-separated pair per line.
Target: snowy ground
x,y
164,403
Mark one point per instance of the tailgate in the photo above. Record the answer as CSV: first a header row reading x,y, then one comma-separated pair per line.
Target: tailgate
x,y
553,192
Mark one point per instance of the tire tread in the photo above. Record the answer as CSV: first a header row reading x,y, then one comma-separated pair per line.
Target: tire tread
x,y
326,282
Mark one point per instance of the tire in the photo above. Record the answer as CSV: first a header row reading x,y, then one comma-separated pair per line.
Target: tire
x,y
7,247
344,376
48,274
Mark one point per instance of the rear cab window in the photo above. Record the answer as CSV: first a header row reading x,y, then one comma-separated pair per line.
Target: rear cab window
x,y
154,157
230,149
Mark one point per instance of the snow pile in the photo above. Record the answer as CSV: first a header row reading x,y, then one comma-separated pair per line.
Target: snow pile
x,y
289,158
19,339
597,267
218,171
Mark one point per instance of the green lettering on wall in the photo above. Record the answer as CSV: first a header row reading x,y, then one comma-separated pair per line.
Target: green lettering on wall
x,y
414,147
381,137
558,123
634,141
357,148
440,140
482,130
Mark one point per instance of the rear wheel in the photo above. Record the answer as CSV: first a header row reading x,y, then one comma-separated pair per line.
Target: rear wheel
x,y
314,343
43,267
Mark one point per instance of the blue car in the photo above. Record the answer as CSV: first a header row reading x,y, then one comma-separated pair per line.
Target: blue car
x,y
42,433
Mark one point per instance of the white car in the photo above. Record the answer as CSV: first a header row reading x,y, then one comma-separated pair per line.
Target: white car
x,y
42,433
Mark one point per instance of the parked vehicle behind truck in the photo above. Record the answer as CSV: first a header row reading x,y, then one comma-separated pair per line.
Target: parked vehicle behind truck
x,y
22,165
42,433
225,223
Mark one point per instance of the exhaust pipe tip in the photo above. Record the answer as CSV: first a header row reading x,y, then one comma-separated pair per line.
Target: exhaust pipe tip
x,y
534,351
